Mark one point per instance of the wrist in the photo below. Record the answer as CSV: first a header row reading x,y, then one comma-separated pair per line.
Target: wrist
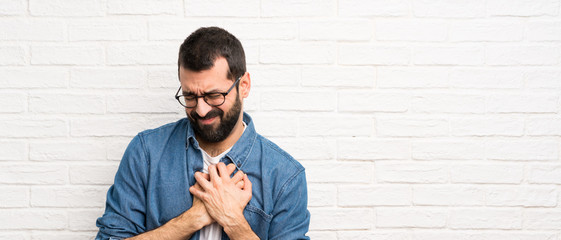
x,y
238,229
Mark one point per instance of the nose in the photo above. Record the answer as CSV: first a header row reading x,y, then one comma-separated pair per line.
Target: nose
x,y
202,107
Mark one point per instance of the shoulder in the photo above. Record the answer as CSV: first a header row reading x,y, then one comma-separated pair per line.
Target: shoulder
x,y
279,157
164,131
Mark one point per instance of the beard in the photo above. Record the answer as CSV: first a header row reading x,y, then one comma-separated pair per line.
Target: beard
x,y
228,120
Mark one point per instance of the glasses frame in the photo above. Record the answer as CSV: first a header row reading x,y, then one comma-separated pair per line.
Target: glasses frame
x,y
224,94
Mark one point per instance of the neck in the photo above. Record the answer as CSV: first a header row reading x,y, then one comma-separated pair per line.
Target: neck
x,y
216,148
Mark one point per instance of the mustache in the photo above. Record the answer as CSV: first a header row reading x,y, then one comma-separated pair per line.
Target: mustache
x,y
212,113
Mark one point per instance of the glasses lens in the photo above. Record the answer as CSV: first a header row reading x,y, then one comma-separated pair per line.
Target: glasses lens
x,y
188,101
214,99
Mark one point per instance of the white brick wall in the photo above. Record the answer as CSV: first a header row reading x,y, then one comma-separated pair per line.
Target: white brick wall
x,y
415,119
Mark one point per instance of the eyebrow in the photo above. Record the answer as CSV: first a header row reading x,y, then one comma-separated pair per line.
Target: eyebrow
x,y
192,93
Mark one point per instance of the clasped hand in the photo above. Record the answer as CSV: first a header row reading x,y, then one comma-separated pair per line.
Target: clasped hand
x,y
224,198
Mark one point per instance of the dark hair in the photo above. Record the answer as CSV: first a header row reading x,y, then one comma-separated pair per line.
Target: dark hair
x,y
200,49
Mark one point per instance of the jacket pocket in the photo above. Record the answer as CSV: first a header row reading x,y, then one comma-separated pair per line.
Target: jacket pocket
x,y
258,219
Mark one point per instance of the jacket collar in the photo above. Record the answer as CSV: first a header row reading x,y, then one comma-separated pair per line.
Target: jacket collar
x,y
239,154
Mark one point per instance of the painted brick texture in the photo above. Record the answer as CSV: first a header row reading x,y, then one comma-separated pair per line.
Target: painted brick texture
x,y
415,119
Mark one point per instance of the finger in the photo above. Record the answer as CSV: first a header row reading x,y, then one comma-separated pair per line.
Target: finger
x,y
206,176
223,172
213,173
247,184
198,186
196,192
240,184
237,177
204,183
231,167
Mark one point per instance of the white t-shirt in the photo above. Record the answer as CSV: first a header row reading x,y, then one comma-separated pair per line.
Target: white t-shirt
x,y
214,230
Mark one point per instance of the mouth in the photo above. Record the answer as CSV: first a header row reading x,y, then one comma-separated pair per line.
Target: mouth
x,y
207,121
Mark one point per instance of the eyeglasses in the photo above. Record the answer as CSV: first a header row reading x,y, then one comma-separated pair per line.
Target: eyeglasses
x,y
214,99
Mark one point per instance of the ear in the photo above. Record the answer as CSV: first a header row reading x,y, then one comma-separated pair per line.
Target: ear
x,y
245,85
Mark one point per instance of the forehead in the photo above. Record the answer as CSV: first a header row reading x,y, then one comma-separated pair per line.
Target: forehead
x,y
216,74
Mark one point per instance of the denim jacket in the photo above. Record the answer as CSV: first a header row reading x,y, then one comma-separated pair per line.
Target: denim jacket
x,y
152,184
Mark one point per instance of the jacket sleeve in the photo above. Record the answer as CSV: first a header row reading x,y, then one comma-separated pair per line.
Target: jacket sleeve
x,y
125,207
291,218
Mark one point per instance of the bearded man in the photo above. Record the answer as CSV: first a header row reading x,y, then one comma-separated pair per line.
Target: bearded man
x,y
210,175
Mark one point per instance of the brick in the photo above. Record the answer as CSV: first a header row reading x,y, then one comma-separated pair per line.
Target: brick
x,y
116,147
33,174
33,77
341,218
107,30
487,126
449,8
311,8
372,149
145,7
525,150
411,30
14,197
522,103
484,30
412,127
252,52
58,235
298,101
283,30
485,218
522,55
12,150
487,173
81,220
31,219
384,8
301,53
544,31
374,195
368,54
13,55
543,78
407,172
66,8
371,101
322,195
13,102
391,217
317,76
362,30
326,235
486,78
162,78
107,126
68,196
339,172
201,8
448,103
523,8
333,125
482,235
468,55
15,235
66,103
121,77
142,103
274,75
550,173
275,125
146,54
444,195
542,219
32,30
177,29
375,234
67,151
67,55
412,77
522,196
452,149
306,148
543,126
34,128
13,7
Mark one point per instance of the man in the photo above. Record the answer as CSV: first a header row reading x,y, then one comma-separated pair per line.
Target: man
x,y
210,175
